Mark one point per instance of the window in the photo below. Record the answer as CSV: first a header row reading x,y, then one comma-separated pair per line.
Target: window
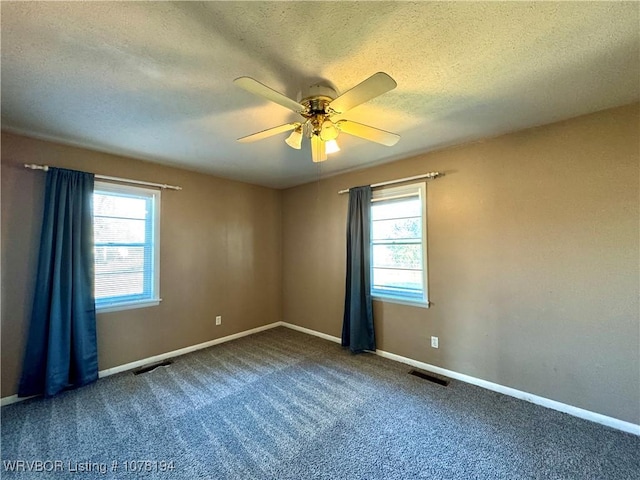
x,y
398,244
126,246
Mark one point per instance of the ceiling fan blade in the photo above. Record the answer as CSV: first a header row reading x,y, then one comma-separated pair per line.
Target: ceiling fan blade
x,y
257,88
368,133
318,152
375,85
268,132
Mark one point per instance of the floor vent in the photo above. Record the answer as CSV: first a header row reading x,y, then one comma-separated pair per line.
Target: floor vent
x,y
427,376
151,367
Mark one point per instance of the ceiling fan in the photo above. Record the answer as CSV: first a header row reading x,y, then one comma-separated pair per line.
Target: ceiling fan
x,y
317,108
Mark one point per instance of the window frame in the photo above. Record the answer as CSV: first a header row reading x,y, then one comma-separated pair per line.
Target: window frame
x,y
141,192
392,193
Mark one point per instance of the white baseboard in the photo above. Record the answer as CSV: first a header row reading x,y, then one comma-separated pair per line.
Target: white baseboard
x,y
308,331
495,387
158,358
14,399
512,392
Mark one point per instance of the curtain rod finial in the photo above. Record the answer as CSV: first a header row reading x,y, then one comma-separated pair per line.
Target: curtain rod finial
x,y
33,166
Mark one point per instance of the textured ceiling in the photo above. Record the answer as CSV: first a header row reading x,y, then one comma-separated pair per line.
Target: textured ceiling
x,y
154,80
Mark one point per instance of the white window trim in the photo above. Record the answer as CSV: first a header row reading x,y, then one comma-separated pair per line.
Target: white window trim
x,y
130,189
389,193
127,305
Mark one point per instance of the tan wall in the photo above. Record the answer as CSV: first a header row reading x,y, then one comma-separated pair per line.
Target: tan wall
x,y
220,255
533,261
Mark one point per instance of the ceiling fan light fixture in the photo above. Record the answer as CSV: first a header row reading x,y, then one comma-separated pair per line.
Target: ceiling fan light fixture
x,y
318,152
295,139
331,146
328,131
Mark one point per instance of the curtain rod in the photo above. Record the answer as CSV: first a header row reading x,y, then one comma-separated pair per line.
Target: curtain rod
x,y
400,180
33,166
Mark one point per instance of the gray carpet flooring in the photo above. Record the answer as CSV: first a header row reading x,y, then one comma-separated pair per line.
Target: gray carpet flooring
x,y
284,405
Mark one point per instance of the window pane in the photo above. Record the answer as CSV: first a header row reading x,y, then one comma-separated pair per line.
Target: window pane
x,y
125,229
398,256
398,228
402,207
118,230
114,259
399,280
119,205
119,284
398,248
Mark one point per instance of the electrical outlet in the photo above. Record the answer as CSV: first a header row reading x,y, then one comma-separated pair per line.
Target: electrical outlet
x,y
434,342
219,320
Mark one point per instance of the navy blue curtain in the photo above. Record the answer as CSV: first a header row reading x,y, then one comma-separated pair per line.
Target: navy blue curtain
x,y
357,326
61,349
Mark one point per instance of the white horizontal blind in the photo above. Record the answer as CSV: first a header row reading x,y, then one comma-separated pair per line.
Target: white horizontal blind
x,y
398,243
125,244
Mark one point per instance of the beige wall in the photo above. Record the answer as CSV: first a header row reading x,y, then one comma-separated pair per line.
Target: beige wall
x,y
220,255
533,261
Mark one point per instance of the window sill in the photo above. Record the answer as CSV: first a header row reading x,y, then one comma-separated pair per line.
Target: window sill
x,y
400,301
128,305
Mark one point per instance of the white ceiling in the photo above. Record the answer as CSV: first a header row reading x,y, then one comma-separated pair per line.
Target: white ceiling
x,y
154,80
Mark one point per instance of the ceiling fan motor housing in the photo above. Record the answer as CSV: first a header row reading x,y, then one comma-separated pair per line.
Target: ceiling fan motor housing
x,y
319,90
317,112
